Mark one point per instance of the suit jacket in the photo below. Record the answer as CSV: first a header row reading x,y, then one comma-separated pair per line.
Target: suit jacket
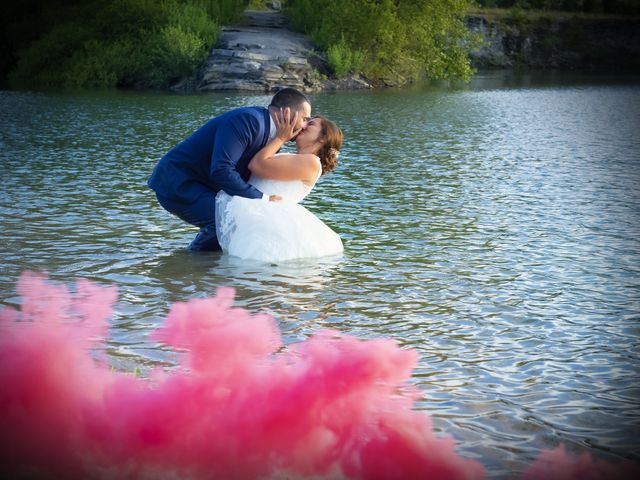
x,y
215,157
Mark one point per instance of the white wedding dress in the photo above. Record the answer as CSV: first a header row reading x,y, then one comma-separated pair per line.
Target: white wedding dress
x,y
273,231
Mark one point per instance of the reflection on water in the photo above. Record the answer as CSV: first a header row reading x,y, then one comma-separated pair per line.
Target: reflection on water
x,y
493,227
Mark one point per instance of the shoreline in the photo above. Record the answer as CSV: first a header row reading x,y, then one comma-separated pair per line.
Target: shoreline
x,y
512,41
262,53
481,79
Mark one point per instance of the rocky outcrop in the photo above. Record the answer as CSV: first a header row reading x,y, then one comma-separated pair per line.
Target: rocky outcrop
x,y
569,43
261,55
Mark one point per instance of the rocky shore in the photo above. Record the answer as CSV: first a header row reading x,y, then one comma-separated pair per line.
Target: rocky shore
x,y
262,53
567,43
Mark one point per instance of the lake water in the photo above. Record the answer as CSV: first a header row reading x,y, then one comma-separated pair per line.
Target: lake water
x,y
493,227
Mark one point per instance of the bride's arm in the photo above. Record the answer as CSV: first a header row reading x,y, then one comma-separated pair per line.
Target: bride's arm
x,y
267,165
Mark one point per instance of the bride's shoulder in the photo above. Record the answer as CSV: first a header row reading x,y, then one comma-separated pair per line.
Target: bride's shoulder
x,y
309,158
295,154
312,157
305,166
313,163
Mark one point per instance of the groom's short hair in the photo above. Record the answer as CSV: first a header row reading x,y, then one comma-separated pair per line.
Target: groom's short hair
x,y
289,97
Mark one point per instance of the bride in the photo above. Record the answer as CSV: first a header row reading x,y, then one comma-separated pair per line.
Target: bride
x,y
282,229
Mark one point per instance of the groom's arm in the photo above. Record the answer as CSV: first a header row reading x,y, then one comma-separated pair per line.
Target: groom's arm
x,y
231,140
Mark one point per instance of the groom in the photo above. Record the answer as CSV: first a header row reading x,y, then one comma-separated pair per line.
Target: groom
x,y
216,157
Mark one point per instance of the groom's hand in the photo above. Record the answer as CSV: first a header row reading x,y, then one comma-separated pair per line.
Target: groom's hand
x,y
275,198
286,124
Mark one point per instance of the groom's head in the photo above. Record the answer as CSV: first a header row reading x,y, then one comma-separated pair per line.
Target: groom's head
x,y
294,100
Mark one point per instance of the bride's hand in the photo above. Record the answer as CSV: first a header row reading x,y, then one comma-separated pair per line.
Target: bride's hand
x,y
286,124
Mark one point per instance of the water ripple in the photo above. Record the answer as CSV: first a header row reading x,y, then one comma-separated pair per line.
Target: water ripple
x,y
495,230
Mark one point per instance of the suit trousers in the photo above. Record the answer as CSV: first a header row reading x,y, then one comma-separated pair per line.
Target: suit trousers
x,y
202,214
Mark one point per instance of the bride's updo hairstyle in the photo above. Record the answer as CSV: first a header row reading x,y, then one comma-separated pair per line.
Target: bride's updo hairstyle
x,y
330,150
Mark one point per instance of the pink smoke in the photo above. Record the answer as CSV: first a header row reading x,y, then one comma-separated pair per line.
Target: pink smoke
x,y
239,405
559,465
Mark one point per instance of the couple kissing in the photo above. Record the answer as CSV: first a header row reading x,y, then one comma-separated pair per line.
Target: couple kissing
x,y
228,179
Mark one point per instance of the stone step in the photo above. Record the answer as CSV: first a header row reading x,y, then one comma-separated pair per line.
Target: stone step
x,y
259,55
243,54
266,19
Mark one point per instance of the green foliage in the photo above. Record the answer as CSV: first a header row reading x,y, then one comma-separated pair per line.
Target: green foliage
x,y
95,64
105,43
343,59
518,18
389,41
257,5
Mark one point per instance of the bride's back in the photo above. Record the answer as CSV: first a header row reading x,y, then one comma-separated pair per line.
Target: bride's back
x,y
290,191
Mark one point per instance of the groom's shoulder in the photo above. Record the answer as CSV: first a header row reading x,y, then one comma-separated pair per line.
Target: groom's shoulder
x,y
257,112
246,118
249,116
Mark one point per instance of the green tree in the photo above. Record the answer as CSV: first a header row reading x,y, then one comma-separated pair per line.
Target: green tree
x,y
105,43
393,41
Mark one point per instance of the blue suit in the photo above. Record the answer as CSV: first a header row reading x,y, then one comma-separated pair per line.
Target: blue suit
x,y
215,157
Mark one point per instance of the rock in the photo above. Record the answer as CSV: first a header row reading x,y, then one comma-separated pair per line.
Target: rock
x,y
557,43
350,82
238,85
265,19
260,55
493,52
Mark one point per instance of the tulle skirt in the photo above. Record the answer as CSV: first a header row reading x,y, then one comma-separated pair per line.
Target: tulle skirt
x,y
272,231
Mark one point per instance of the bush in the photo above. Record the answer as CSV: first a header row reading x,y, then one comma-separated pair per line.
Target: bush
x,y
97,64
343,60
125,43
388,41
46,53
176,54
